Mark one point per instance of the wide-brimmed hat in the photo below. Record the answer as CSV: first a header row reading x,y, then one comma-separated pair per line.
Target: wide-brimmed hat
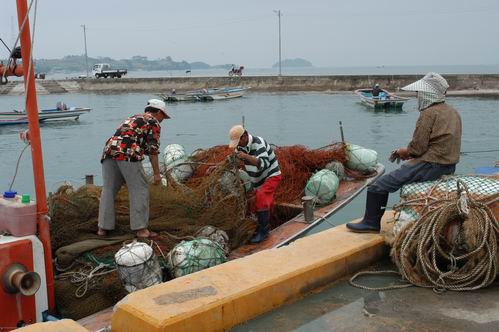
x,y
431,82
159,105
235,134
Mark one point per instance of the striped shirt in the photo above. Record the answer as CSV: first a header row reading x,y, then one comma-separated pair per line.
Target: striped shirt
x,y
267,162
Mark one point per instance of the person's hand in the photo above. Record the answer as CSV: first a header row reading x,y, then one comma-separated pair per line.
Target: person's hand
x,y
157,179
403,153
241,155
394,157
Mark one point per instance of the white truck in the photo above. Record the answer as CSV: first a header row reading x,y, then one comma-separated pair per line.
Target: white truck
x,y
104,70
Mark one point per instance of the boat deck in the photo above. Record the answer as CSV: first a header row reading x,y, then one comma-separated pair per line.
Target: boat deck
x,y
297,226
341,307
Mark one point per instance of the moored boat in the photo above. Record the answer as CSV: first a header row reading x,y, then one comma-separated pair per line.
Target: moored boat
x,y
208,94
210,191
17,117
384,100
174,97
221,93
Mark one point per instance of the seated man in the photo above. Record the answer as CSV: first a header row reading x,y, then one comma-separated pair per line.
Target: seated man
x,y
376,90
262,166
433,151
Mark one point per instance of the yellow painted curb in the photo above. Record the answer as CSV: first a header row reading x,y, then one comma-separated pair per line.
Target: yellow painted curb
x,y
221,297
64,325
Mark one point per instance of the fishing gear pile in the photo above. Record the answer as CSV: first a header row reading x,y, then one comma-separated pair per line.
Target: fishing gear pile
x,y
446,235
453,245
214,194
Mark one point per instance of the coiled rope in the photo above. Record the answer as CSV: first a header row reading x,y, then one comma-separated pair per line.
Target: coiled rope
x,y
425,258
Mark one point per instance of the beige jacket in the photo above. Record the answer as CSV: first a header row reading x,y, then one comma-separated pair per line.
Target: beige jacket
x,y
437,137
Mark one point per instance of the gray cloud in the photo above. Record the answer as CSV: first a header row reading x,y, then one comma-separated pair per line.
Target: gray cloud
x,y
325,32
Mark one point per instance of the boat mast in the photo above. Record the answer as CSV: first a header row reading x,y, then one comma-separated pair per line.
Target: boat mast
x,y
36,147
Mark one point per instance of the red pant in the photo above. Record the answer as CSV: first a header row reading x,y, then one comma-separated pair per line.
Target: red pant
x,y
265,193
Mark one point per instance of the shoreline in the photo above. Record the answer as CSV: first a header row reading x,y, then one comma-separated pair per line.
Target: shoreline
x,y
473,85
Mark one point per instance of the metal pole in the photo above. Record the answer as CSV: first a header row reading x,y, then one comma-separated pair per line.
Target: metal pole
x,y
36,149
278,12
85,38
280,71
341,132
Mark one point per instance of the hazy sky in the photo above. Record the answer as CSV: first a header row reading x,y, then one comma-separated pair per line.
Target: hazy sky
x,y
328,33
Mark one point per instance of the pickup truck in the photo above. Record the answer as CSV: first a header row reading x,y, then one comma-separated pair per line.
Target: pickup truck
x,y
104,70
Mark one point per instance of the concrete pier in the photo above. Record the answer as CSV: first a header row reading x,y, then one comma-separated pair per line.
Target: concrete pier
x,y
460,84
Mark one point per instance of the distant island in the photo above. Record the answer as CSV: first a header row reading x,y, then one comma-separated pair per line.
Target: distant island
x,y
298,62
76,63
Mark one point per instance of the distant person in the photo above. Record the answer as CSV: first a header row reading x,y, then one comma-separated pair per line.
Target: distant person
x,y
433,151
262,166
61,106
376,90
122,164
174,92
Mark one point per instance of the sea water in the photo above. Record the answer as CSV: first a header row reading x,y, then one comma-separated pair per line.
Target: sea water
x,y
72,149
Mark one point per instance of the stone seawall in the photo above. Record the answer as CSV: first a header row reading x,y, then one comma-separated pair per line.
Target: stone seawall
x,y
459,84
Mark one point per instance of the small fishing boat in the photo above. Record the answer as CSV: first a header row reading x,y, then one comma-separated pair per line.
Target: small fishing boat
x,y
384,100
298,226
220,93
174,97
208,94
18,117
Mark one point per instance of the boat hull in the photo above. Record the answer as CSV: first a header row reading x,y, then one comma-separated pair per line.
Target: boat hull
x,y
296,227
278,237
16,118
205,95
390,101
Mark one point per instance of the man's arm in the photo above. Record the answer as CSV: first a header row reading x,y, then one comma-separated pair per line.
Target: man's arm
x,y
421,136
155,168
250,159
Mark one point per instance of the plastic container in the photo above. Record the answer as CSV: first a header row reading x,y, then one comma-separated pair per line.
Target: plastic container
x,y
17,215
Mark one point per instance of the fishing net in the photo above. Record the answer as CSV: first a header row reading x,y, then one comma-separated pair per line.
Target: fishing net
x,y
196,255
421,197
297,165
214,195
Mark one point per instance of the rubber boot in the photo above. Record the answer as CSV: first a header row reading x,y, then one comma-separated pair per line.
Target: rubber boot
x,y
375,208
262,231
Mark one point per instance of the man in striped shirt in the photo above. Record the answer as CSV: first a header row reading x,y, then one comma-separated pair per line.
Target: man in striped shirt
x,y
262,166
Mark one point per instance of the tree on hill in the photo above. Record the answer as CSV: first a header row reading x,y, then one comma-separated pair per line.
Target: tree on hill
x,y
298,62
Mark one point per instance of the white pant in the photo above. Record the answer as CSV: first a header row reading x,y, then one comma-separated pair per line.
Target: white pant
x,y
115,173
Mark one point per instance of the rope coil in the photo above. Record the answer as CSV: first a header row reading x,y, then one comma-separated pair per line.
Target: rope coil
x,y
426,257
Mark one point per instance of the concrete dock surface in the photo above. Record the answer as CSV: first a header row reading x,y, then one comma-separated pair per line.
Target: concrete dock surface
x,y
341,307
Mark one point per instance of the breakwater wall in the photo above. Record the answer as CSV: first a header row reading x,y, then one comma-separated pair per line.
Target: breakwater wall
x,y
469,84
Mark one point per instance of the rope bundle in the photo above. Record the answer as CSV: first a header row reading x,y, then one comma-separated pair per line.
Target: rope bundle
x,y
430,253
426,257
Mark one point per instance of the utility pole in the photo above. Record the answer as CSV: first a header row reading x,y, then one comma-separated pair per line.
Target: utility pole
x,y
86,55
278,12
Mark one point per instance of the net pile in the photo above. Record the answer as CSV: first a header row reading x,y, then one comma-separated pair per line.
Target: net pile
x,y
177,212
418,198
297,165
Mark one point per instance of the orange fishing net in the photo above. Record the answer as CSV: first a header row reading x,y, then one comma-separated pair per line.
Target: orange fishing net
x,y
297,164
